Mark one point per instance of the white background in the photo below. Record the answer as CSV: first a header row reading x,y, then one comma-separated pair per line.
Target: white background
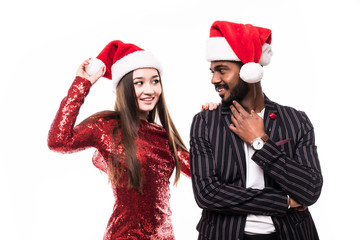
x,y
46,195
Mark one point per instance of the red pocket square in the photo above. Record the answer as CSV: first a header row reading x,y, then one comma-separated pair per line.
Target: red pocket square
x,y
281,142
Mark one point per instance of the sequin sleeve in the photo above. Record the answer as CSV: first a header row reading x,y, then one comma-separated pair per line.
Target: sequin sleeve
x,y
63,136
184,161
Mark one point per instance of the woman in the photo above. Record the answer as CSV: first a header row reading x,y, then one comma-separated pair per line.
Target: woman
x,y
138,155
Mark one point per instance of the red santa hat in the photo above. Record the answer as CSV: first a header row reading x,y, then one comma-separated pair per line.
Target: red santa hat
x,y
121,58
240,42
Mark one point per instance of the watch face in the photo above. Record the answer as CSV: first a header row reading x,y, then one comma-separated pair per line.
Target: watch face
x,y
258,143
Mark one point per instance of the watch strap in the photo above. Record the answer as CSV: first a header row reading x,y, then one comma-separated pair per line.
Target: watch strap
x,y
265,138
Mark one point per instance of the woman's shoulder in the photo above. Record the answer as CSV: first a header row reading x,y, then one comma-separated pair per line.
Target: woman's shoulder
x,y
103,116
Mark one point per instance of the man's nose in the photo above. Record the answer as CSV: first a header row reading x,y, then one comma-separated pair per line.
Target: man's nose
x,y
215,78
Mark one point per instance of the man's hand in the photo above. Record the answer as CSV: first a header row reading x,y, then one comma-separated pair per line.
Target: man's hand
x,y
293,204
246,126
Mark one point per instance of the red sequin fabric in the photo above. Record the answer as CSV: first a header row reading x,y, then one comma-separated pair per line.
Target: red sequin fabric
x,y
135,215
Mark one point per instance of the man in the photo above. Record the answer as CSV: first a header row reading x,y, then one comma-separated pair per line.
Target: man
x,y
254,163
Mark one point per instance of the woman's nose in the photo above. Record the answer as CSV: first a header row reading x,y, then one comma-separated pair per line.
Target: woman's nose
x,y
148,88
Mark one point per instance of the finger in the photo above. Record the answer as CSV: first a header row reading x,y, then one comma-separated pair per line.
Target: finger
x,y
301,208
234,121
84,63
232,127
81,68
211,106
294,204
239,108
253,114
96,77
214,106
87,61
235,130
206,106
100,73
235,113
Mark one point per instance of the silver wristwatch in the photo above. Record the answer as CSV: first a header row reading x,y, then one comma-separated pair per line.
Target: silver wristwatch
x,y
259,142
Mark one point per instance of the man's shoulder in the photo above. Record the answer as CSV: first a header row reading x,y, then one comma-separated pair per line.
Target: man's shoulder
x,y
285,107
289,112
209,114
207,118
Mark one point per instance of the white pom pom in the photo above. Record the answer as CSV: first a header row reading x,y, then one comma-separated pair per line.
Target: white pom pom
x,y
265,55
251,72
94,65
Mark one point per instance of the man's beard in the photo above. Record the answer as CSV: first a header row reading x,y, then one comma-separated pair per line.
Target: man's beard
x,y
237,94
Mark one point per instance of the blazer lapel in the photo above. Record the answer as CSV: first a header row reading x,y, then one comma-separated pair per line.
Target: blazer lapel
x,y
237,146
271,120
271,127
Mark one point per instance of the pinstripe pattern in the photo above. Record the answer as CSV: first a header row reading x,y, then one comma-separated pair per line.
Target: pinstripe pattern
x,y
290,163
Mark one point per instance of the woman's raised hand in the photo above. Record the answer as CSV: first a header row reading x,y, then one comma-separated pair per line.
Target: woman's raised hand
x,y
92,78
209,105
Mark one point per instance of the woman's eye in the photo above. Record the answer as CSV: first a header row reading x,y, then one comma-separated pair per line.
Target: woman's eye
x,y
156,81
138,83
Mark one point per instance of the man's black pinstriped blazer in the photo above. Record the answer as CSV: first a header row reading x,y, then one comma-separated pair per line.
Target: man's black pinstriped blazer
x,y
218,168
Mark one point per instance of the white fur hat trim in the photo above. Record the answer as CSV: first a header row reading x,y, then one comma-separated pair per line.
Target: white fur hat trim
x,y
266,54
132,61
218,49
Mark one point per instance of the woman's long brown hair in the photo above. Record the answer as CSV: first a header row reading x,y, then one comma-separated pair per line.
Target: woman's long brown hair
x,y
127,111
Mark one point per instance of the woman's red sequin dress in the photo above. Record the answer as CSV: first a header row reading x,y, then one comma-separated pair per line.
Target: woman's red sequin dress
x,y
136,215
